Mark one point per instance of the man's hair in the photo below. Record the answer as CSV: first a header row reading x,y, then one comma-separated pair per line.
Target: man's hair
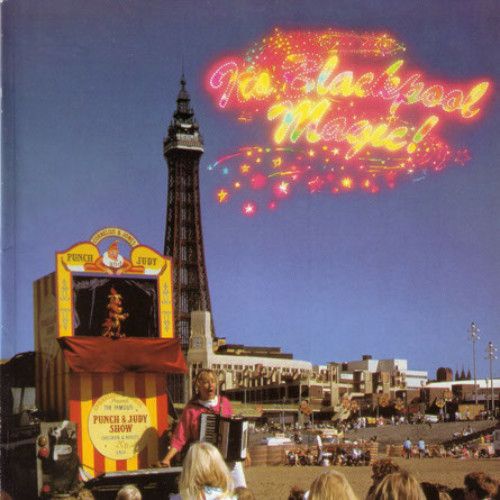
x,y
430,490
382,467
243,493
296,493
482,484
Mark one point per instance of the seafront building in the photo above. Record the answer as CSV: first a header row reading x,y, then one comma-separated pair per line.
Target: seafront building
x,y
465,391
270,381
267,382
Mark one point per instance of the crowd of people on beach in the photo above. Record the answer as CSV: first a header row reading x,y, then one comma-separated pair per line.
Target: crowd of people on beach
x,y
340,456
460,450
205,476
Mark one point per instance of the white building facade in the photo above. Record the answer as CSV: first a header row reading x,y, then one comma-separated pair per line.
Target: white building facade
x,y
265,374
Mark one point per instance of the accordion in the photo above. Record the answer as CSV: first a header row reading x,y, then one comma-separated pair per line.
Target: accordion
x,y
228,435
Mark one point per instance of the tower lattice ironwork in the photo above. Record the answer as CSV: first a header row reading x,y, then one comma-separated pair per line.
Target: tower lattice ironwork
x,y
182,149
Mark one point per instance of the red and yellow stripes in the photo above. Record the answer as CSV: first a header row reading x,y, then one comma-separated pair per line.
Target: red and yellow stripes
x,y
86,389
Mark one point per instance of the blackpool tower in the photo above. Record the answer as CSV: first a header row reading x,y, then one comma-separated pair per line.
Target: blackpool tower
x,y
182,149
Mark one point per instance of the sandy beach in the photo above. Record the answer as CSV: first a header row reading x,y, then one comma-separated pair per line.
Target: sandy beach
x,y
274,483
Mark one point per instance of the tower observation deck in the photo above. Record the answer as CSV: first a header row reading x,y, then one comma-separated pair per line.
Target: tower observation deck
x,y
182,149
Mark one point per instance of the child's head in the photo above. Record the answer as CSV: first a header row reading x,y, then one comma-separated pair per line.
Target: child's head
x,y
204,466
398,486
129,492
243,493
85,494
331,486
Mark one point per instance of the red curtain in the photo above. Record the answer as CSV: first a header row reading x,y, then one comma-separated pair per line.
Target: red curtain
x,y
105,355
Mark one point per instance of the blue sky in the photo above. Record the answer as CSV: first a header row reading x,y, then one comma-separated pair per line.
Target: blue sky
x,y
89,90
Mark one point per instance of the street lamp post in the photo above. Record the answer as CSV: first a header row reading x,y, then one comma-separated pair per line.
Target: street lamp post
x,y
491,350
283,413
473,330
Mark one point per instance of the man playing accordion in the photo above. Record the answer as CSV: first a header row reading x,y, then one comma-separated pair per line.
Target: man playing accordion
x,y
187,431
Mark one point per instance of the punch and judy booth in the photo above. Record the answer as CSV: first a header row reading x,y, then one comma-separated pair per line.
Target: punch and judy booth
x,y
105,341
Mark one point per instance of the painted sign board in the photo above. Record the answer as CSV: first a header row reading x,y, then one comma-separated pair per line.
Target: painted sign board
x,y
104,336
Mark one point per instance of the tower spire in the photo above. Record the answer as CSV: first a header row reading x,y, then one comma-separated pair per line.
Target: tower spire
x,y
183,130
182,149
184,113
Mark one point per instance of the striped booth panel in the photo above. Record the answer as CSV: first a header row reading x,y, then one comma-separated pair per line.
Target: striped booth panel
x,y
121,419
